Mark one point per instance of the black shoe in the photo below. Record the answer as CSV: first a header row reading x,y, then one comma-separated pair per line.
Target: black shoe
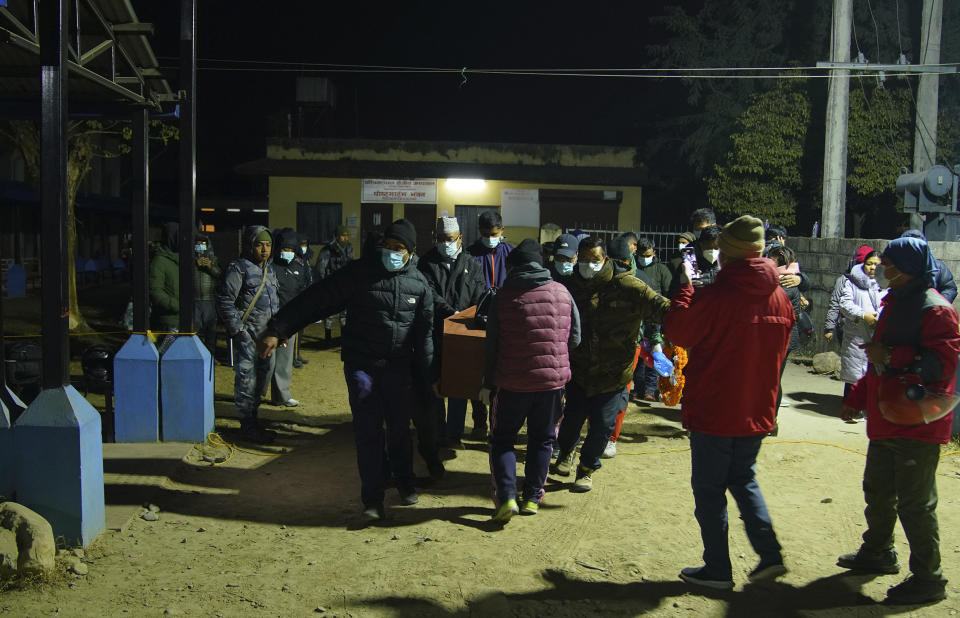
x,y
479,433
253,432
374,512
408,496
302,361
766,571
700,577
913,591
885,563
297,364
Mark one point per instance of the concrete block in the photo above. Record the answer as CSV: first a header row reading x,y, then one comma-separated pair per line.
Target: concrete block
x,y
136,388
6,452
186,391
59,464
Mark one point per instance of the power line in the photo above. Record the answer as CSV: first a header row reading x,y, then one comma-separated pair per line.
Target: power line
x,y
296,65
528,73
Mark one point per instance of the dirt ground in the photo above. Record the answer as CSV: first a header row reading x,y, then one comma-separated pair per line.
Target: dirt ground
x,y
280,535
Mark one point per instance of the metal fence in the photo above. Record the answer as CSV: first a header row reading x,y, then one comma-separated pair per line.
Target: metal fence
x,y
664,238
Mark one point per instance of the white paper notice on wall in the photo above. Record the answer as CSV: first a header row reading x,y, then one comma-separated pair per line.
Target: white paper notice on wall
x,y
520,207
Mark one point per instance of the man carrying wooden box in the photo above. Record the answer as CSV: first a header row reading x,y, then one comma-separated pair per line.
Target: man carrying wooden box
x,y
532,324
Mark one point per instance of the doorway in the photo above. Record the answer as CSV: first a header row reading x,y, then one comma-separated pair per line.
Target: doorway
x,y
374,219
424,220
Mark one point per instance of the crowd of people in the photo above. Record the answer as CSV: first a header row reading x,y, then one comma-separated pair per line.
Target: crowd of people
x,y
565,326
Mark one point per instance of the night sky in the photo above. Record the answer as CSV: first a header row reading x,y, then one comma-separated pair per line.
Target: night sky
x,y
233,107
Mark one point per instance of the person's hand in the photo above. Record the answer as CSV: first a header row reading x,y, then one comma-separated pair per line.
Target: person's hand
x,y
877,353
790,281
870,319
484,396
203,262
849,413
804,302
828,335
267,345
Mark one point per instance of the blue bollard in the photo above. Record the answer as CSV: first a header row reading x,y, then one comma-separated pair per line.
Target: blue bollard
x,y
58,464
186,391
10,410
16,281
6,452
136,391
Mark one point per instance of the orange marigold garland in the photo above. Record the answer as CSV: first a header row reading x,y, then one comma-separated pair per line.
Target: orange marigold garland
x,y
671,389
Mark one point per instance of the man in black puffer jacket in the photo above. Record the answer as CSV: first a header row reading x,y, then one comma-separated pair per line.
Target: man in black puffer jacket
x,y
292,278
387,341
457,282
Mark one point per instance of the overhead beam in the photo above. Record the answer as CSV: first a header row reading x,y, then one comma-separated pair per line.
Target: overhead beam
x,y
138,27
108,30
95,51
80,71
16,23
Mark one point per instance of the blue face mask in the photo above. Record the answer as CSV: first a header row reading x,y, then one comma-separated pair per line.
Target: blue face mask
x,y
392,260
286,256
200,247
450,248
565,268
490,242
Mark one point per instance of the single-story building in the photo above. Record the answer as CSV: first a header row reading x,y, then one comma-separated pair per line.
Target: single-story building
x,y
317,184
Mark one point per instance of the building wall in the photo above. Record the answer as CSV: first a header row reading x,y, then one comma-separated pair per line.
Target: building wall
x,y
285,192
825,259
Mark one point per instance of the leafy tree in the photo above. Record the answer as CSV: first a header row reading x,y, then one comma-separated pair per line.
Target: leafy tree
x,y
86,141
761,175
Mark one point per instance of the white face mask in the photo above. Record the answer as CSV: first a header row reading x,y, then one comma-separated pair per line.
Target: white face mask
x,y
450,248
681,247
646,261
490,242
303,250
881,276
200,248
588,270
286,256
711,255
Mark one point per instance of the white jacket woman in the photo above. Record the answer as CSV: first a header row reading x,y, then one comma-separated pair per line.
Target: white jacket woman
x,y
860,305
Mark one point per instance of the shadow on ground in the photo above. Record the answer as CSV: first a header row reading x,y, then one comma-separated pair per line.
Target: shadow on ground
x,y
570,596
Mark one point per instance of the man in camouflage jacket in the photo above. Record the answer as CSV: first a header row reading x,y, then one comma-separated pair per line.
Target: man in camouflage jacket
x,y
613,304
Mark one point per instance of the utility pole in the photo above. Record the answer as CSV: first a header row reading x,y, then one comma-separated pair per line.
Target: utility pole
x,y
928,95
838,107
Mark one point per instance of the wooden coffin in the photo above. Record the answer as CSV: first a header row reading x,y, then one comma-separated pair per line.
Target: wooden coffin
x,y
462,356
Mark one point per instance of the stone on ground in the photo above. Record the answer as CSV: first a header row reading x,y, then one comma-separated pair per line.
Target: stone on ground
x,y
826,362
36,548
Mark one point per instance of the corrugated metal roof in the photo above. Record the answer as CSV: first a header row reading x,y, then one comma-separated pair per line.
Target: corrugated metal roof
x,y
108,66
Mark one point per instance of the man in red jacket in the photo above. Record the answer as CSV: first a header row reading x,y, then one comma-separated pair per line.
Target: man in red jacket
x,y
740,326
917,335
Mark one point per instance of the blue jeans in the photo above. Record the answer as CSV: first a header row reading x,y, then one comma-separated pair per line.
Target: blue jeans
x,y
718,464
381,396
508,411
602,410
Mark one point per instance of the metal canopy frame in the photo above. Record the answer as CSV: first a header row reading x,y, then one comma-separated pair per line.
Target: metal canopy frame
x,y
107,49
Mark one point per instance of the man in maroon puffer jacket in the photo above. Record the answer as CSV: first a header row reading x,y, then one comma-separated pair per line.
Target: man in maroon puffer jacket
x,y
739,328
531,326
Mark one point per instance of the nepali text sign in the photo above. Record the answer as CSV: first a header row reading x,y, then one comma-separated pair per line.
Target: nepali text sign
x,y
399,191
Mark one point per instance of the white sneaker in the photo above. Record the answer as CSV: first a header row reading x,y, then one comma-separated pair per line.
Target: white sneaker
x,y
291,403
610,451
787,403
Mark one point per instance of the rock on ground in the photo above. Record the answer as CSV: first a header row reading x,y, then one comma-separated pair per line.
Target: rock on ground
x,y
36,548
826,362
